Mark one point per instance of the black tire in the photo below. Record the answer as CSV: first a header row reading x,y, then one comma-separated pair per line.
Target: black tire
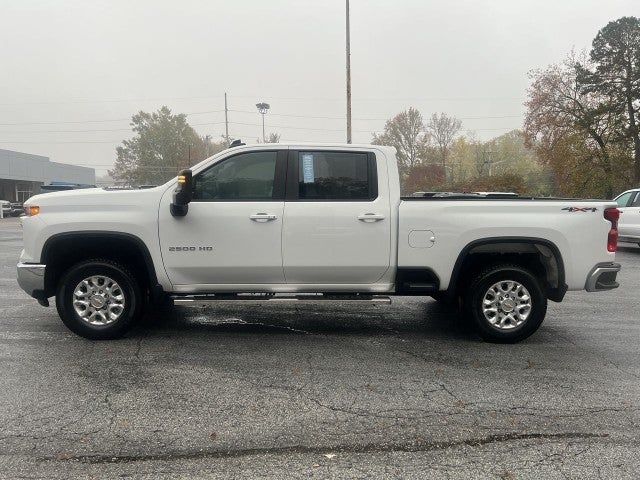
x,y
129,287
475,294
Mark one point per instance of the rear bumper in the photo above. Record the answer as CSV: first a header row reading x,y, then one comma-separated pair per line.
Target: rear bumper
x,y
602,277
31,280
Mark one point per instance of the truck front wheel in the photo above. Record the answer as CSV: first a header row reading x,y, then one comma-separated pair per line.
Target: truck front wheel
x,y
506,303
99,299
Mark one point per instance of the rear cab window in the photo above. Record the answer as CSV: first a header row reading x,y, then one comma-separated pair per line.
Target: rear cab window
x,y
326,175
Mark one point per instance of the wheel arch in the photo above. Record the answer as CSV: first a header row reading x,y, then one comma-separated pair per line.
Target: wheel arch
x,y
62,250
491,248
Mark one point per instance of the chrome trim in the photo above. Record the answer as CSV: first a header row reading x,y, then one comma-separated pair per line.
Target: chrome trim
x,y
206,300
596,272
31,277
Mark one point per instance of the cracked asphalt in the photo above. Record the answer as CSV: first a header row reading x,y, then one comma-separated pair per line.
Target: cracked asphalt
x,y
331,391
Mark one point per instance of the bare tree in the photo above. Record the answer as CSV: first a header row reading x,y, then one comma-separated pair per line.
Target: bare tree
x,y
273,138
443,130
405,132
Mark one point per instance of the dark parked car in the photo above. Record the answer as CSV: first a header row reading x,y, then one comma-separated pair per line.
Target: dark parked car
x,y
16,209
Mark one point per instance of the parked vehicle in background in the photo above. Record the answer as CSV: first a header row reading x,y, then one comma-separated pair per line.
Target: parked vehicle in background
x,y
17,209
629,223
468,194
5,208
302,222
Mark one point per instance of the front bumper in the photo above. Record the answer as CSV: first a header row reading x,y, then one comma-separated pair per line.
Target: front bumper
x,y
31,280
602,277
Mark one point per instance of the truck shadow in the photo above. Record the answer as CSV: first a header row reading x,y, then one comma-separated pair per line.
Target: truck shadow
x,y
425,317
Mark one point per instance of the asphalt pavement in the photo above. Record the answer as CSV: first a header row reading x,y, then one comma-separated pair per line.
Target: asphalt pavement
x,y
334,391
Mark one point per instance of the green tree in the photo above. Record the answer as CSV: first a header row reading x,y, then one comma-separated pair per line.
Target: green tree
x,y
163,144
614,76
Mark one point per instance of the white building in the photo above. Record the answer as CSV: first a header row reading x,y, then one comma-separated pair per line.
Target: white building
x,y
22,175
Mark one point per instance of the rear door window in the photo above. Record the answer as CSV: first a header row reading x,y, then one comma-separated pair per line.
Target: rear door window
x,y
326,175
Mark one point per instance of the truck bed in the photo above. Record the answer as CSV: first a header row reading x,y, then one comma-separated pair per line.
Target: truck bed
x,y
434,230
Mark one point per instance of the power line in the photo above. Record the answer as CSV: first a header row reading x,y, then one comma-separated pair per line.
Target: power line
x,y
109,100
67,122
59,143
320,99
321,117
96,121
68,131
285,127
292,127
371,118
92,130
394,99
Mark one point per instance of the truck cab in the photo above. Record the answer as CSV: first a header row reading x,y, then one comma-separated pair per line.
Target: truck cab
x,y
284,220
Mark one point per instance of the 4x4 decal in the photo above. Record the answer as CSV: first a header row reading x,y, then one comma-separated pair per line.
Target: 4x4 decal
x,y
580,209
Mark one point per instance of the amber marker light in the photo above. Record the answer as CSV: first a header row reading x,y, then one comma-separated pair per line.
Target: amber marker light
x,y
32,210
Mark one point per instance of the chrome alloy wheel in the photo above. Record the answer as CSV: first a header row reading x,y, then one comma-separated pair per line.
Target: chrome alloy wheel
x,y
506,304
98,300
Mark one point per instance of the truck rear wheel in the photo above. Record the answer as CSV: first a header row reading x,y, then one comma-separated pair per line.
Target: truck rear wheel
x,y
506,303
99,299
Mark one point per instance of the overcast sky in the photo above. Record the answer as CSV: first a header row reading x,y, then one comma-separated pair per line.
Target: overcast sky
x,y
73,72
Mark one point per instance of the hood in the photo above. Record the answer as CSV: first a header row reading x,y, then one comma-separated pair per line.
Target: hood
x,y
94,197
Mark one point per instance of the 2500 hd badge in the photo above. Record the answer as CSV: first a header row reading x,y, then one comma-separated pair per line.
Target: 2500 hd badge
x,y
190,249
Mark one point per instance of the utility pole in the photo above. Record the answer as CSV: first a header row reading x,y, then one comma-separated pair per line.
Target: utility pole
x,y
348,77
263,108
226,120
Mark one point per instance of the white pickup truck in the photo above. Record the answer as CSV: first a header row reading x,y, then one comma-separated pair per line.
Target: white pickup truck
x,y
309,222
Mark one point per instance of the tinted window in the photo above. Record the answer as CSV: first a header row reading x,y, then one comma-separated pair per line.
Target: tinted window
x,y
248,176
636,202
623,199
335,176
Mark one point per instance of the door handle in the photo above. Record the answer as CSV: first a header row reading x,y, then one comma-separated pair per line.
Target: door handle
x,y
262,217
370,217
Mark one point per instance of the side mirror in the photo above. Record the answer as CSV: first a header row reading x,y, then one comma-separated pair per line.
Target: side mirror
x,y
183,194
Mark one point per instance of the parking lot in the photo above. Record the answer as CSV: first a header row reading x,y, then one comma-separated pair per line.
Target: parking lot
x,y
330,391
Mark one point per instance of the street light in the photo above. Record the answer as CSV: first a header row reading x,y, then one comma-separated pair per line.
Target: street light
x,y
263,108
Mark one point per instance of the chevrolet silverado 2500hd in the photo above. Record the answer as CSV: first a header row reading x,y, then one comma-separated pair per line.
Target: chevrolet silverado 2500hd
x,y
309,222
